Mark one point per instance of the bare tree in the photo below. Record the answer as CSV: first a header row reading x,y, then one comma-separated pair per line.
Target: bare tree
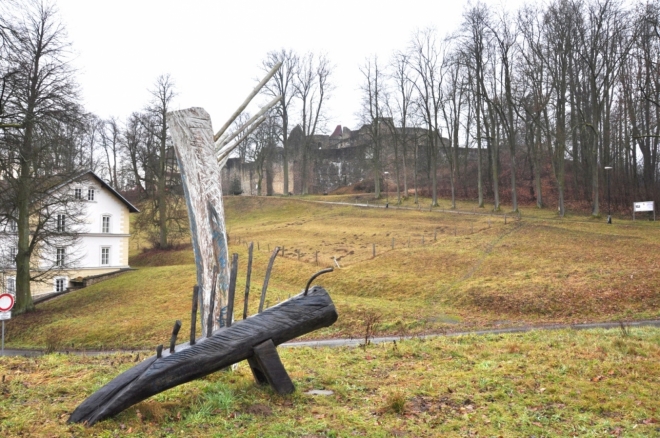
x,y
261,146
111,144
374,105
403,97
425,55
282,84
161,156
40,94
312,85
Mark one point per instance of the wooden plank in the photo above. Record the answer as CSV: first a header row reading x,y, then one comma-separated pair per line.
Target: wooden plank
x,y
270,365
228,345
192,136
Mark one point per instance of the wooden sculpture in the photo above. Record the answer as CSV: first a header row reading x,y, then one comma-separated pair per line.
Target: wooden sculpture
x,y
223,341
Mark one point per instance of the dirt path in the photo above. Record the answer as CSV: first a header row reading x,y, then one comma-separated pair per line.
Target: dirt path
x,y
354,342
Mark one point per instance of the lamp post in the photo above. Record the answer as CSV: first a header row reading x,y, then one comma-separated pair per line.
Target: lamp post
x,y
387,189
609,205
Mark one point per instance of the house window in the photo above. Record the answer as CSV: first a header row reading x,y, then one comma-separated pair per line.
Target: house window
x,y
12,255
60,284
105,256
11,285
77,193
105,227
90,194
60,257
61,220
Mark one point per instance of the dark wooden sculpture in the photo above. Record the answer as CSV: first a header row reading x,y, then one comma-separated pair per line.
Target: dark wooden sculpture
x,y
254,339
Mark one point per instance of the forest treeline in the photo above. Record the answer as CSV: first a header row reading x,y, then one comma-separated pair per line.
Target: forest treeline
x,y
551,99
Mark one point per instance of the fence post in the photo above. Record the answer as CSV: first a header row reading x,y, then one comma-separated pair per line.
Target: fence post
x,y
435,235
392,242
316,257
422,239
373,250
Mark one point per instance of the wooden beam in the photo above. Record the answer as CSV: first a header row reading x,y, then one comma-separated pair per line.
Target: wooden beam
x,y
247,101
228,345
223,141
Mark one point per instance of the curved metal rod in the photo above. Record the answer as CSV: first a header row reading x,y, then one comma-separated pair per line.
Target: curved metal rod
x,y
325,271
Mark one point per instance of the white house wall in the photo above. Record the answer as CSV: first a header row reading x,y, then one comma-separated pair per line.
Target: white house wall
x,y
92,239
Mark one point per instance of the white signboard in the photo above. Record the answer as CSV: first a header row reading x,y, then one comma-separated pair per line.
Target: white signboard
x,y
644,206
5,315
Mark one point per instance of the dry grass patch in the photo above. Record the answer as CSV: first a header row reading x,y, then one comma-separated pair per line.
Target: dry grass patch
x,y
559,383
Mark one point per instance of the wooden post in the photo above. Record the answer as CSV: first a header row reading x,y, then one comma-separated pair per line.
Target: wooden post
x,y
488,222
282,251
504,218
316,258
210,323
392,243
247,280
454,230
175,333
373,250
266,365
435,235
232,289
267,278
193,317
192,136
422,239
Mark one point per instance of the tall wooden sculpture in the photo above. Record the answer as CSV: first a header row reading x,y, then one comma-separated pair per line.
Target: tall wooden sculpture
x,y
201,155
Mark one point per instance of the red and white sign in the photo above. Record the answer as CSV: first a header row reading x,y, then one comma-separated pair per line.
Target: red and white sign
x,y
6,302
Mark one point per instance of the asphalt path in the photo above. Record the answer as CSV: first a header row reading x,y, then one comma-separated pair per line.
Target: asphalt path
x,y
354,342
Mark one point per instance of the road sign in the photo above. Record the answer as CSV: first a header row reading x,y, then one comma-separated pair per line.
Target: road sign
x,y
4,316
6,302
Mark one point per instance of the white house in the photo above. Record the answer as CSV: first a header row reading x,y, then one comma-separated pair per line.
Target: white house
x,y
102,226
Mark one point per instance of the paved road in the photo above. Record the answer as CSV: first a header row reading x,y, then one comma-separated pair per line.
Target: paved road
x,y
354,342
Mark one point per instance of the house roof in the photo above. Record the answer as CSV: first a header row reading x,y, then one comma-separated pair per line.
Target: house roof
x,y
131,207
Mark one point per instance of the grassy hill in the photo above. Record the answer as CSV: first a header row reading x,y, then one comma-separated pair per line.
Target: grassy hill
x,y
433,271
458,271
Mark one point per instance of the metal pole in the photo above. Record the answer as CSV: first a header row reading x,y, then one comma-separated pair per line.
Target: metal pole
x,y
609,205
608,169
3,337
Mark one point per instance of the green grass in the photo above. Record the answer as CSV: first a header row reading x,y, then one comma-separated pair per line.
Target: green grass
x,y
446,272
558,383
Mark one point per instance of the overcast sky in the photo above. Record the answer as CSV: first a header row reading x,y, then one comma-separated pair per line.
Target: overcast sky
x,y
213,49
